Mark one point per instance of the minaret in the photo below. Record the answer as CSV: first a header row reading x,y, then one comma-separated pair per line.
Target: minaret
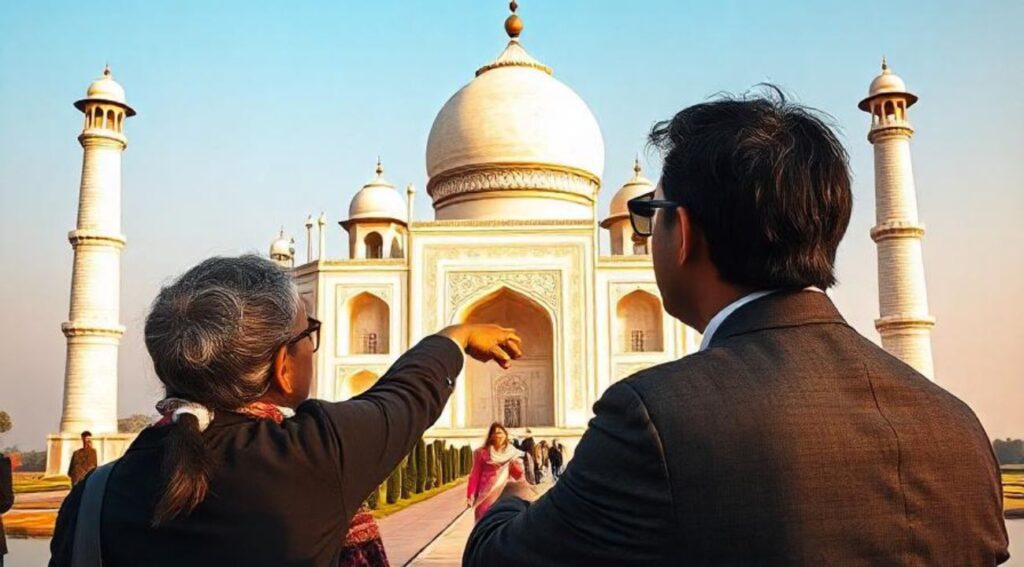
x,y
309,238
904,324
93,331
321,251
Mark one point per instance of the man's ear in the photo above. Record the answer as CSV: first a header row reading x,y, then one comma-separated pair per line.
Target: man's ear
x,y
280,375
684,236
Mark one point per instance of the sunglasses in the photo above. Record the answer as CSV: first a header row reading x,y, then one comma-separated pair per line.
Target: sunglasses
x,y
642,209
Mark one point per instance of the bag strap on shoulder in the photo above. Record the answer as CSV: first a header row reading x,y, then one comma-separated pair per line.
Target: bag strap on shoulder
x,y
86,547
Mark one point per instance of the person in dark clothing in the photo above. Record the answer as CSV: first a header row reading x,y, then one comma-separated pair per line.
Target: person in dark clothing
x,y
83,460
788,439
6,500
243,469
526,446
555,458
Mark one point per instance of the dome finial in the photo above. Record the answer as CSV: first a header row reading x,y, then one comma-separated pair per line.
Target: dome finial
x,y
106,69
513,24
636,166
380,168
885,65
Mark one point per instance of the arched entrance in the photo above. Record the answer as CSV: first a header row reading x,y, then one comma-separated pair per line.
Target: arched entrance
x,y
523,395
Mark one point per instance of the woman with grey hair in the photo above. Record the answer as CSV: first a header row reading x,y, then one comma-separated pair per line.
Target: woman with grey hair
x,y
243,468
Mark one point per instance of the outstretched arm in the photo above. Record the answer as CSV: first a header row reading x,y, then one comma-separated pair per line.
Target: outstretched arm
x,y
379,427
612,506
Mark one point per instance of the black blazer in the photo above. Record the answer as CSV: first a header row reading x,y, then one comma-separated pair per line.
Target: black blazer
x,y
791,440
279,495
6,497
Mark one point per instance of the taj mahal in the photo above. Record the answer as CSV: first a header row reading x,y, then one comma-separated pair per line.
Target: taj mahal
x,y
514,164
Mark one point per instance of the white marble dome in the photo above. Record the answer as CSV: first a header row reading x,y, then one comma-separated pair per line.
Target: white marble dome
x,y
106,89
514,111
378,199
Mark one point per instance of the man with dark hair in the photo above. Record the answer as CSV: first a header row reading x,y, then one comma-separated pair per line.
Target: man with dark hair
x,y
82,460
788,439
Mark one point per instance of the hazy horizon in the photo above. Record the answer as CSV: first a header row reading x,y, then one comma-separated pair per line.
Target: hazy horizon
x,y
253,116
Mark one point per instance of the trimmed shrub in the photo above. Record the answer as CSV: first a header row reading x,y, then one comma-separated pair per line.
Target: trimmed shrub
x,y
409,476
395,485
372,500
421,465
467,459
431,477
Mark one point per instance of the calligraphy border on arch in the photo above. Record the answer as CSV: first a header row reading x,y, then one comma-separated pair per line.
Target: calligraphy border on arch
x,y
572,329
540,285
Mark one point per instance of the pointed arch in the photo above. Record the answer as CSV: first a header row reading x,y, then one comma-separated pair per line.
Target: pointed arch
x,y
396,247
523,395
369,325
638,317
374,244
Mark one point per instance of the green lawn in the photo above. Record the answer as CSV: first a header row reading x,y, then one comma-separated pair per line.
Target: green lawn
x,y
388,509
25,483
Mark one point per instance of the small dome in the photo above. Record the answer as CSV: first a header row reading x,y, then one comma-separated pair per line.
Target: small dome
x,y
105,89
282,246
636,186
887,83
378,199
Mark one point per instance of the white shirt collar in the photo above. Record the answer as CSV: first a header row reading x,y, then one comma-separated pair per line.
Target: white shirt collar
x,y
722,315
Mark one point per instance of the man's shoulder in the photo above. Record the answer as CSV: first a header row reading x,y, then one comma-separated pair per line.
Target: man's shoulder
x,y
691,372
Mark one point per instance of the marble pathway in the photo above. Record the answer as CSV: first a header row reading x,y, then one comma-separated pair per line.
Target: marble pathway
x,y
407,532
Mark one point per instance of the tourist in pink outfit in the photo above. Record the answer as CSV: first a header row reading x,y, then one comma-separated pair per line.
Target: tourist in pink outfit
x,y
493,465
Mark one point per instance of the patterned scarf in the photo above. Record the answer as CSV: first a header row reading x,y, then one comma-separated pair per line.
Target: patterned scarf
x,y
362,546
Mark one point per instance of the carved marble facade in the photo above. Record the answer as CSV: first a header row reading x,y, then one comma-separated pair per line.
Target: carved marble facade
x,y
544,276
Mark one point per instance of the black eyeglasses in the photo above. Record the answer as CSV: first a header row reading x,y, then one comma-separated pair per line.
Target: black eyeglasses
x,y
641,212
312,331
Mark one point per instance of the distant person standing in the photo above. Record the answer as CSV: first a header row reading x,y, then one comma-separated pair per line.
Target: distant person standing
x,y
83,460
6,500
555,459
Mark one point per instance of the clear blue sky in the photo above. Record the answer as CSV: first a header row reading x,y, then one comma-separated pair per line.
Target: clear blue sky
x,y
253,114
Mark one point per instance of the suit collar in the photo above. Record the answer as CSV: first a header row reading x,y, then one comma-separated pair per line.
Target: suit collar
x,y
780,309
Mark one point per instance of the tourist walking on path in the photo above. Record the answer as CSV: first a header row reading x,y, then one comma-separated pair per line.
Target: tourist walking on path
x,y
243,469
789,438
555,458
6,500
494,465
83,460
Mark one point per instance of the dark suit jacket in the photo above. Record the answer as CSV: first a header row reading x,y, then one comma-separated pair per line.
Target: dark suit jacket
x,y
280,495
6,497
792,440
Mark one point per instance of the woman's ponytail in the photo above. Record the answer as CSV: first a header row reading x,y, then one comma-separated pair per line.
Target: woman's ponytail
x,y
186,470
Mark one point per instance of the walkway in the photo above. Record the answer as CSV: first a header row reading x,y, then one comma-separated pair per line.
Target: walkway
x,y
407,532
